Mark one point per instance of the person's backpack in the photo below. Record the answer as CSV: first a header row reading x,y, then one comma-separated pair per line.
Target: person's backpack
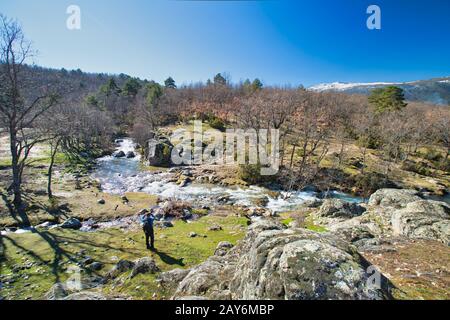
x,y
147,222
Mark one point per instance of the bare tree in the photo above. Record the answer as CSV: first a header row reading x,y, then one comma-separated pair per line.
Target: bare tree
x,y
17,111
313,121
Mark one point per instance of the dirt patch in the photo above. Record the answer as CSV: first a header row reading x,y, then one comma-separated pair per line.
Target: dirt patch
x,y
418,268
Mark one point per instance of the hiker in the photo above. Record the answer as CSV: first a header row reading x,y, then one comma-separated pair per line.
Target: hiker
x,y
147,225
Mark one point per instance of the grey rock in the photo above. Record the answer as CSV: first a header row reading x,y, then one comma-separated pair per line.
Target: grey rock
x,y
86,261
186,173
223,248
172,278
261,201
130,155
185,182
60,291
393,212
56,292
144,265
120,267
312,203
85,296
215,227
158,152
142,212
396,198
336,208
71,223
118,154
95,266
163,224
191,298
277,263
423,219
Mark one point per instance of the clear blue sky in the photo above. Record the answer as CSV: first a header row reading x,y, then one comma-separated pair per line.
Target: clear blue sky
x,y
278,41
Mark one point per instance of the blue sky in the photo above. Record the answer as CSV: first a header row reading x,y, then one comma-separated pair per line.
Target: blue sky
x,y
278,41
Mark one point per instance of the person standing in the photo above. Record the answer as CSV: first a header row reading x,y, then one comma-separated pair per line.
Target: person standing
x,y
147,220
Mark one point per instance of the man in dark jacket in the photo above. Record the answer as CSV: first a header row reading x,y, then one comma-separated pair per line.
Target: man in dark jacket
x,y
147,220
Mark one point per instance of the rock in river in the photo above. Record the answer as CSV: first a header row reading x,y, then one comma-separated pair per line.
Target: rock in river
x,y
158,152
130,155
71,223
118,154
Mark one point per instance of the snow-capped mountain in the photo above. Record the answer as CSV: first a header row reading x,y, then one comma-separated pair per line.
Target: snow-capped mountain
x,y
435,91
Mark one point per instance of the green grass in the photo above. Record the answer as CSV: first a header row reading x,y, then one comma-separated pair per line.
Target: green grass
x,y
55,250
310,225
200,212
287,221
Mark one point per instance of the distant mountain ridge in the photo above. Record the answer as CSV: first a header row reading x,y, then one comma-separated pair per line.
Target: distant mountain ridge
x,y
436,91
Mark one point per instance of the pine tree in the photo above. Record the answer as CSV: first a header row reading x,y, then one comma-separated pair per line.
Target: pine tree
x,y
220,80
387,99
110,88
257,85
170,83
131,87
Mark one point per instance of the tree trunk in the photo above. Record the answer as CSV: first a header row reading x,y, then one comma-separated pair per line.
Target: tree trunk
x,y
341,154
364,160
292,156
16,185
50,169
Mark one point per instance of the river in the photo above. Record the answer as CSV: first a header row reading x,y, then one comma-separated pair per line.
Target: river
x,y
122,175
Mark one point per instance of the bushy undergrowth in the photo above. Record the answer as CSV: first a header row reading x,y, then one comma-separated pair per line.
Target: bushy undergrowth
x,y
368,183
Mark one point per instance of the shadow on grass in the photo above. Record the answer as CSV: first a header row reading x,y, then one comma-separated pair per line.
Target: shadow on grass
x,y
30,203
19,215
168,259
60,254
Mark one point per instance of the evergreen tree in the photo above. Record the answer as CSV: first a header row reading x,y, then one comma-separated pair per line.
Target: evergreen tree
x,y
220,80
387,99
92,101
154,92
131,87
256,85
170,83
110,88
247,85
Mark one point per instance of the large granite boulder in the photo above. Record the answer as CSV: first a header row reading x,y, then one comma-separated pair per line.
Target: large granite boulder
x,y
397,198
336,208
277,263
423,219
394,213
158,152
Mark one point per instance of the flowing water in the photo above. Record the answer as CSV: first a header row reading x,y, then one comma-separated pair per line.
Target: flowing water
x,y
121,175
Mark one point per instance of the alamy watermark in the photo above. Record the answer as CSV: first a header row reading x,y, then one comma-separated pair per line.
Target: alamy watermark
x,y
74,281
234,146
73,22
374,20
374,278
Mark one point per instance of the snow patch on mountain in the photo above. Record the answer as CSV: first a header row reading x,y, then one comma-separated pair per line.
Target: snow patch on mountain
x,y
342,86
